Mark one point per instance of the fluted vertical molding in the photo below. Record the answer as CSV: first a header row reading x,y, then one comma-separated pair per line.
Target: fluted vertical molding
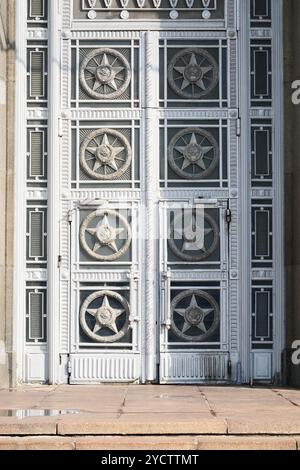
x,y
20,204
245,203
54,185
150,201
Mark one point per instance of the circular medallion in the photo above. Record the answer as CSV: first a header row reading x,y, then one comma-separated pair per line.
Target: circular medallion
x,y
103,228
195,315
193,73
105,154
193,153
105,74
104,316
193,239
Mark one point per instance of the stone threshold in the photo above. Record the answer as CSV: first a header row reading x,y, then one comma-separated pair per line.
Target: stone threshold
x,y
180,442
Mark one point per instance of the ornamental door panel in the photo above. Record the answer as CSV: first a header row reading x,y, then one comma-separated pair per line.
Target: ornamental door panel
x,y
151,237
149,229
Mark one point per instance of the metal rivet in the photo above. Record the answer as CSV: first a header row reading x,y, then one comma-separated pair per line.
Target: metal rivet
x,y
92,14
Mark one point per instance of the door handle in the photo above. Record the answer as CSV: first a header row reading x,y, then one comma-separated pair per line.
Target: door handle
x,y
167,286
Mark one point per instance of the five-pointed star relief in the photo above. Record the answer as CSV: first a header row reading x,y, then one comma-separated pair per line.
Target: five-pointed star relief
x,y
105,234
105,154
196,320
193,235
193,153
104,73
105,316
193,73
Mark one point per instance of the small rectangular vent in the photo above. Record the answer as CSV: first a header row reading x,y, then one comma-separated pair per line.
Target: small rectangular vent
x,y
36,234
37,66
36,306
37,154
37,9
193,368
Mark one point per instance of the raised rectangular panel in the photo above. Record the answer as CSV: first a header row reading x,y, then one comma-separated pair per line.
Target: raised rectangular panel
x,y
36,313
36,367
93,368
37,154
37,8
37,70
262,365
36,248
193,367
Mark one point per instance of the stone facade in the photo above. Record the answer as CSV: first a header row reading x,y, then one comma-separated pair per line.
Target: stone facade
x,y
292,194
7,60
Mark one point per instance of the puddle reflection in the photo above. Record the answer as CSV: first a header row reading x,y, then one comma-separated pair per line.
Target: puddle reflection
x,y
20,414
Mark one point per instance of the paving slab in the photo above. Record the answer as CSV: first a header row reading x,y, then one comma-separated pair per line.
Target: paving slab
x,y
136,443
37,443
150,410
140,424
246,443
12,426
263,423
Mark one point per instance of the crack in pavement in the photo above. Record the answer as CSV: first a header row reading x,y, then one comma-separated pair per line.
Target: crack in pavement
x,y
209,406
278,393
48,394
120,410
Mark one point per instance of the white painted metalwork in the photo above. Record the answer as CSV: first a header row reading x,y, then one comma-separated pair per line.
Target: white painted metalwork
x,y
158,108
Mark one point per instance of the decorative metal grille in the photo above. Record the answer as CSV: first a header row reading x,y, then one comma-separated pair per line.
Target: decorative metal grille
x,y
36,317
114,121
37,74
105,72
35,205
264,159
36,234
190,73
37,13
105,320
149,9
37,156
262,315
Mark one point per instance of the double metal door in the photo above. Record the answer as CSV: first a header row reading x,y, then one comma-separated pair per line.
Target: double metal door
x,y
150,169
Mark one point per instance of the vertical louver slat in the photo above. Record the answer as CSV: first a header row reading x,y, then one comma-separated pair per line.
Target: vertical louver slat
x,y
37,74
37,8
37,154
36,315
37,234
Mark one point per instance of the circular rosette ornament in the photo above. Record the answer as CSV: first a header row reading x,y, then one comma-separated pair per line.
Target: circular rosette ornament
x,y
193,73
104,316
193,153
194,236
105,235
195,315
105,154
105,74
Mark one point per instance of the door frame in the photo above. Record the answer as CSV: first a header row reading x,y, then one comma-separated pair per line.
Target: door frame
x,y
49,357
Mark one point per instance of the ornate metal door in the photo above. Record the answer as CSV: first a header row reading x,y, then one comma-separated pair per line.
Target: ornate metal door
x,y
151,122
149,245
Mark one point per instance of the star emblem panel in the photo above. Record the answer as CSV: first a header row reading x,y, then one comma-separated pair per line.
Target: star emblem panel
x,y
194,237
194,153
106,154
195,315
105,72
193,73
105,237
104,316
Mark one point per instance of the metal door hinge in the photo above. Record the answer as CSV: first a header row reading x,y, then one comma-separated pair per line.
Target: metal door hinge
x,y
238,127
69,367
59,261
60,128
228,216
